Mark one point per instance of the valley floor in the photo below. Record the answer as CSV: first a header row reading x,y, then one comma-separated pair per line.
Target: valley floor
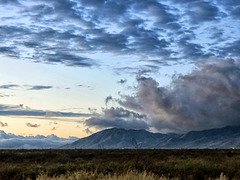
x,y
120,164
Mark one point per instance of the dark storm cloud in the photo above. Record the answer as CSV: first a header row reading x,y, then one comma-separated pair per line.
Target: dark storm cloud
x,y
207,97
118,117
33,125
40,87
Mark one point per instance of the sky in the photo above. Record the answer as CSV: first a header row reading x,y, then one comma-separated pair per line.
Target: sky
x,y
72,68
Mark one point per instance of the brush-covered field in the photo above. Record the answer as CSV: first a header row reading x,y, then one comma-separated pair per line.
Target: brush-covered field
x,y
119,164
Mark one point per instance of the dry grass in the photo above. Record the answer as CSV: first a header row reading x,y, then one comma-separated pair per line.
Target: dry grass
x,y
84,175
130,175
120,164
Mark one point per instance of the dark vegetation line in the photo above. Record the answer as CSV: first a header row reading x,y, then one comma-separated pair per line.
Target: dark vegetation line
x,y
172,163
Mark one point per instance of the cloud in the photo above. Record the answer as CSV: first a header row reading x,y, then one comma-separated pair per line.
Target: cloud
x,y
87,131
236,12
84,86
33,125
4,95
67,32
20,110
35,87
232,49
3,124
118,117
122,81
202,11
40,87
8,86
54,128
69,59
9,2
190,49
208,97
107,99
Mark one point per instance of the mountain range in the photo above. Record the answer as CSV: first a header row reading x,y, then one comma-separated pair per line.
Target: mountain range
x,y
11,141
118,138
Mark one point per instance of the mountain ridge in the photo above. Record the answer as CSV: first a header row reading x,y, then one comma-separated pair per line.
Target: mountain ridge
x,y
118,138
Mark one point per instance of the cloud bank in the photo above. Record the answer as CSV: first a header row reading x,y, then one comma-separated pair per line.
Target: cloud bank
x,y
67,31
208,97
11,141
20,110
117,117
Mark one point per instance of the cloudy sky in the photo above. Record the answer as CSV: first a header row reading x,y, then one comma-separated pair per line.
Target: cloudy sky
x,y
71,67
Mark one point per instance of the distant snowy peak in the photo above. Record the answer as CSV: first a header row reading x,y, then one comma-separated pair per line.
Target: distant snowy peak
x,y
11,141
117,138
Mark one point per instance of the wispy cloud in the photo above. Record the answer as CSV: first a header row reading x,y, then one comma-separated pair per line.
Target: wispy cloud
x,y
8,86
2,124
122,81
33,125
30,87
87,131
54,128
40,87
20,110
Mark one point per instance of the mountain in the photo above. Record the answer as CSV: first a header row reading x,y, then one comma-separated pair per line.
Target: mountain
x,y
227,137
11,141
117,138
